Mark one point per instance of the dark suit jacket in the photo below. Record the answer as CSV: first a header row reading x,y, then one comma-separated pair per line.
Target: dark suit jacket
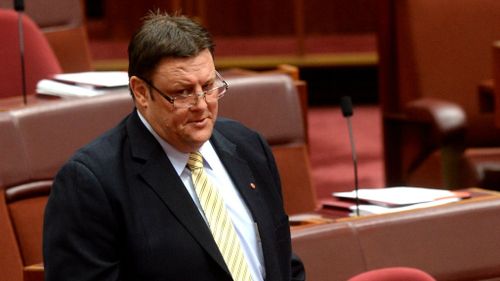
x,y
118,210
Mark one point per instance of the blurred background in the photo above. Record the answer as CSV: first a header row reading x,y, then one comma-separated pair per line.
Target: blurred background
x,y
330,41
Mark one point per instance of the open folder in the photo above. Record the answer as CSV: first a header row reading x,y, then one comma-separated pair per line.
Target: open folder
x,y
84,84
394,199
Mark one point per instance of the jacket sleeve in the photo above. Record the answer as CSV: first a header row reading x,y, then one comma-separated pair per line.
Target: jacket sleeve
x,y
298,271
297,267
79,239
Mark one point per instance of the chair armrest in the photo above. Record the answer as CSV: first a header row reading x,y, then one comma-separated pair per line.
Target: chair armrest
x,y
424,127
447,119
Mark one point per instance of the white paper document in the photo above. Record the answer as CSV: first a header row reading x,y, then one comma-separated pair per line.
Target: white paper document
x,y
365,209
107,79
84,84
54,88
400,196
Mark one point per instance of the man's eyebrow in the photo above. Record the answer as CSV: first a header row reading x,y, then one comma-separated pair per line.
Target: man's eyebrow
x,y
210,81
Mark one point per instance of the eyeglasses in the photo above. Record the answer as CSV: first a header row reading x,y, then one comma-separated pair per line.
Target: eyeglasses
x,y
187,99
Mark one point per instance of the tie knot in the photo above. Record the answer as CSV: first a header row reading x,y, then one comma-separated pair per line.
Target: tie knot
x,y
195,161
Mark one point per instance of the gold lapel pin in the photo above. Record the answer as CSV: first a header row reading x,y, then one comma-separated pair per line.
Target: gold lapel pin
x,y
252,185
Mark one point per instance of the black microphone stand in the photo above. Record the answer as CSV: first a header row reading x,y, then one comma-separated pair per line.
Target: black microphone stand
x,y
19,7
346,106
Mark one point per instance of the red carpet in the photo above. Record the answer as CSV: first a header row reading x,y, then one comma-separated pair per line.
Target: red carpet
x,y
331,159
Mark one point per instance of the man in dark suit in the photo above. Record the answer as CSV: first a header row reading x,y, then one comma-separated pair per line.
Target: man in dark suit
x,y
125,207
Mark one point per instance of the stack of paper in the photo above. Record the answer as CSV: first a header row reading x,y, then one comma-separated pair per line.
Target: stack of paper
x,y
395,199
84,84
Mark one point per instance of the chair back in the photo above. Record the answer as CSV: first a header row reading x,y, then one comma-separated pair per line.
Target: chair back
x,y
63,24
39,59
35,142
65,27
393,274
270,104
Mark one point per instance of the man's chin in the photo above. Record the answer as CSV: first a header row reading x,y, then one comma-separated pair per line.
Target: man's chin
x,y
201,136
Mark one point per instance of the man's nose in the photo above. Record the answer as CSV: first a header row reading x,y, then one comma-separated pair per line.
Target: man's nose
x,y
201,96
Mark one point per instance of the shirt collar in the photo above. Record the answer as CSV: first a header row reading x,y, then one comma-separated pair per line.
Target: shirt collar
x,y
177,158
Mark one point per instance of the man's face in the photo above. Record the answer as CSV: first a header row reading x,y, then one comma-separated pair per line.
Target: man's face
x,y
186,129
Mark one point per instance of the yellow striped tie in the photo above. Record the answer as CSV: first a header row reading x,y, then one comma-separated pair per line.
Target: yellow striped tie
x,y
219,222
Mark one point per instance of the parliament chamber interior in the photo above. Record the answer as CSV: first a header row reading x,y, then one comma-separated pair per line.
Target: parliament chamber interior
x,y
423,78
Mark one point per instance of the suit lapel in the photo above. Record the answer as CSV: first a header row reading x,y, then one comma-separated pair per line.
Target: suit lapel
x,y
156,170
239,171
243,179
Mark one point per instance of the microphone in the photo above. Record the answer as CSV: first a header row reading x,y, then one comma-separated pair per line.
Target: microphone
x,y
19,7
346,106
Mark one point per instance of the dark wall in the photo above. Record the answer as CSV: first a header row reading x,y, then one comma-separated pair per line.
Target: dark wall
x,y
119,18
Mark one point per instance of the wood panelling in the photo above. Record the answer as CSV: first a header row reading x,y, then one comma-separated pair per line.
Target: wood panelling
x,y
120,18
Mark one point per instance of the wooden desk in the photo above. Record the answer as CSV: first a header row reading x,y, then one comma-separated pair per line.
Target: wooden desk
x,y
36,273
335,210
456,241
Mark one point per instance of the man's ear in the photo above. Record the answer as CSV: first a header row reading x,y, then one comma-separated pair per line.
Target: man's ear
x,y
140,90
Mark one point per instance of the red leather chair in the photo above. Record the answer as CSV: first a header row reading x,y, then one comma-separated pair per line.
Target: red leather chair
x,y
40,61
63,24
393,274
35,142
433,54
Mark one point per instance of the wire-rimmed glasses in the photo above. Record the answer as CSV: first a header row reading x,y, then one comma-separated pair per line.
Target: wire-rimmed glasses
x,y
185,100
